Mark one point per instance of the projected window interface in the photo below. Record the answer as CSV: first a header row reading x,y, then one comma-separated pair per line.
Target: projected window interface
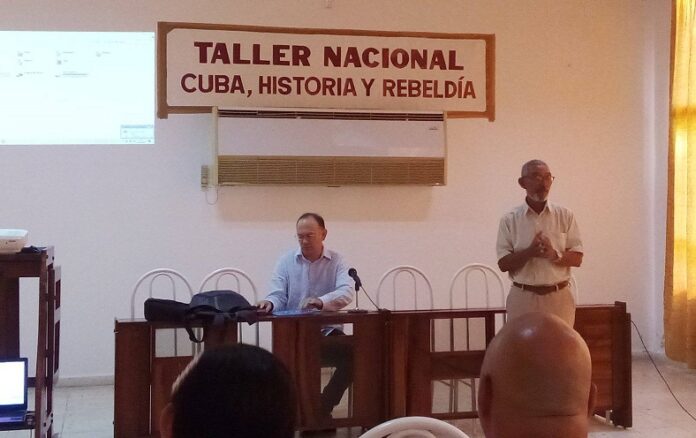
x,y
77,87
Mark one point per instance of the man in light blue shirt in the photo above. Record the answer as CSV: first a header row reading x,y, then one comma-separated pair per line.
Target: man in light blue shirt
x,y
314,277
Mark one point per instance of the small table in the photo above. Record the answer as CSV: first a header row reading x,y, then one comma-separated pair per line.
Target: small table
x,y
38,264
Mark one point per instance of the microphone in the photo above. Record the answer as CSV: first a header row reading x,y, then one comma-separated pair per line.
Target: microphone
x,y
353,273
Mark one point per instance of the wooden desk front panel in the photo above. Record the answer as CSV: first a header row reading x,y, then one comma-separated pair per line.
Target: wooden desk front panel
x,y
394,364
143,381
415,366
297,342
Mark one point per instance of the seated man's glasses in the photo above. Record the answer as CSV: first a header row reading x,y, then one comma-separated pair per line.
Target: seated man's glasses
x,y
308,236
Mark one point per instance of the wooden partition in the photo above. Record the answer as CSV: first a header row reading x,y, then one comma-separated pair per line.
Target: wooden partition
x,y
607,331
396,364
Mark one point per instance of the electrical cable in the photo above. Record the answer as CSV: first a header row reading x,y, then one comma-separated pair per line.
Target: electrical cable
x,y
368,297
661,376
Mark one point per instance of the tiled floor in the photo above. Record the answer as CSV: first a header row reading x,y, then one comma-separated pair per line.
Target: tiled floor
x,y
87,412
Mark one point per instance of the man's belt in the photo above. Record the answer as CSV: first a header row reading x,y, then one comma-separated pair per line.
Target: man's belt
x,y
542,290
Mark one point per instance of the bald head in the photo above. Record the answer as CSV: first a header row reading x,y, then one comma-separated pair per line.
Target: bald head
x,y
536,380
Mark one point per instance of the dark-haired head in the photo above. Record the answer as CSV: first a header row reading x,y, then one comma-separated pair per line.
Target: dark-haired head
x,y
232,391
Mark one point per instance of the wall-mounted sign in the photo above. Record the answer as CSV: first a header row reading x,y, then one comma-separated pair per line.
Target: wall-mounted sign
x,y
203,66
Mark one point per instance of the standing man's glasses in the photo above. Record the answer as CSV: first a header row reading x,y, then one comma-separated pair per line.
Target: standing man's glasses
x,y
542,178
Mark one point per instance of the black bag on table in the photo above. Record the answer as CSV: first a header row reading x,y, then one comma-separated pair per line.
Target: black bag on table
x,y
212,308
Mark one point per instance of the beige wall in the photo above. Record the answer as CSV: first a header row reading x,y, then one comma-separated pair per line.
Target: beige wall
x,y
580,84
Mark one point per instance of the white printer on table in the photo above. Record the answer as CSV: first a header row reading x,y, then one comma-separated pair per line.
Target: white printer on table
x,y
12,240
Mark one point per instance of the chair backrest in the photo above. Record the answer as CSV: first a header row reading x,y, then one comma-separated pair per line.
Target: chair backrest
x,y
414,427
174,277
484,283
491,281
236,275
243,285
408,272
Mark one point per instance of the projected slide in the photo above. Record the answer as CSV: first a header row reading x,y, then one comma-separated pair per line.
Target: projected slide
x,y
77,88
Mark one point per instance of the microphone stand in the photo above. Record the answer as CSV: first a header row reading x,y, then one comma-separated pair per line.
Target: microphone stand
x,y
357,295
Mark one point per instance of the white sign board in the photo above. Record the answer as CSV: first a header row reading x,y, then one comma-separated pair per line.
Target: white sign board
x,y
203,66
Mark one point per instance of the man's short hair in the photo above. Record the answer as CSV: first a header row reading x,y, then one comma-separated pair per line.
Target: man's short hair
x,y
234,391
317,217
531,163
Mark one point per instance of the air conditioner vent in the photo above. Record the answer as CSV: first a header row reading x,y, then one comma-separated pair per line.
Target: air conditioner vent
x,y
330,171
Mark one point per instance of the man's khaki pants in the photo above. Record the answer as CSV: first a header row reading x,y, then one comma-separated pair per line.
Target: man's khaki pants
x,y
560,303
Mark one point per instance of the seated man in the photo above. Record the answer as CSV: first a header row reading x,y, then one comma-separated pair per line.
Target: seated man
x,y
535,380
233,391
314,277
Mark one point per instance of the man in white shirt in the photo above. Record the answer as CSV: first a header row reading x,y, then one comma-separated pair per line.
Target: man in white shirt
x,y
538,242
314,277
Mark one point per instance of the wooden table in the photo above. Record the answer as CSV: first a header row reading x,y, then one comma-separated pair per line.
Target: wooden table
x,y
394,372
41,265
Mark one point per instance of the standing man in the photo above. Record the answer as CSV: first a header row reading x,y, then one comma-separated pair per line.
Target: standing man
x,y
314,277
538,243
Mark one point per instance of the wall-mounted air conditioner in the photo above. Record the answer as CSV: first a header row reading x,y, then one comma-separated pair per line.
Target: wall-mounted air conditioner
x,y
329,147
